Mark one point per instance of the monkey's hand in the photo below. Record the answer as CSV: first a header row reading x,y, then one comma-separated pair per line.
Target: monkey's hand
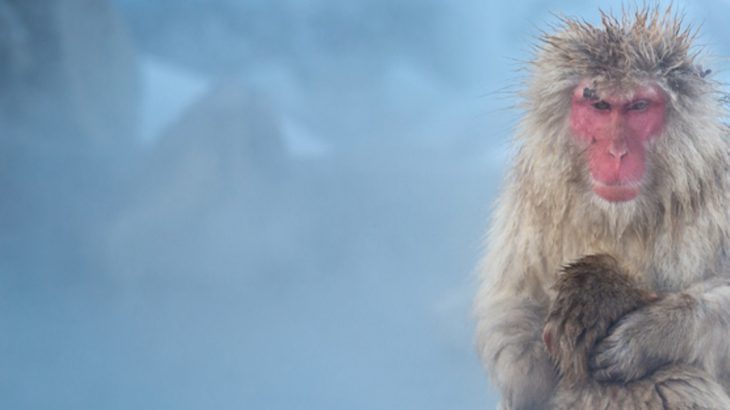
x,y
511,345
646,339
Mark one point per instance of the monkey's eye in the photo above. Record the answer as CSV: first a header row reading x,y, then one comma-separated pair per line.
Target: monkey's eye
x,y
602,106
639,105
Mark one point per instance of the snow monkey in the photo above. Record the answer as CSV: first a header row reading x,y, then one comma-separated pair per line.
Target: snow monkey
x,y
621,151
592,295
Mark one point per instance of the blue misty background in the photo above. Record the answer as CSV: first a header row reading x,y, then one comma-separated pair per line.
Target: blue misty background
x,y
247,204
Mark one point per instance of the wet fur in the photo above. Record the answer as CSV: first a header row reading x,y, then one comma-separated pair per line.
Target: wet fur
x,y
674,237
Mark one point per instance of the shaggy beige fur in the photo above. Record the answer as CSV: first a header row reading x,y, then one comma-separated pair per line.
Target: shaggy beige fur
x,y
675,237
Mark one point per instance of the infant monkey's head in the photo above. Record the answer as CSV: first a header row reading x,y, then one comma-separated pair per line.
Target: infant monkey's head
x,y
592,294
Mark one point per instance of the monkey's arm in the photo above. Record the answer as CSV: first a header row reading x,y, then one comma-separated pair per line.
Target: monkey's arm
x,y
510,343
691,327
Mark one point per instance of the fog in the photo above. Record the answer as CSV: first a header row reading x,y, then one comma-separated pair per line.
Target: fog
x,y
248,204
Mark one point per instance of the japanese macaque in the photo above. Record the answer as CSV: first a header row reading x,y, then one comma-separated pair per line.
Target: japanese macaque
x,y
592,295
622,151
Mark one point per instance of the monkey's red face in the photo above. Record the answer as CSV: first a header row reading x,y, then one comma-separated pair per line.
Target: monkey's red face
x,y
617,131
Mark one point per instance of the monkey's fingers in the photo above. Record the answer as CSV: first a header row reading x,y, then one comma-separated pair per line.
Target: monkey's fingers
x,y
600,367
607,363
620,360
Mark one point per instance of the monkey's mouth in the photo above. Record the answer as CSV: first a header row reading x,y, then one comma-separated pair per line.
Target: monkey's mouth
x,y
616,192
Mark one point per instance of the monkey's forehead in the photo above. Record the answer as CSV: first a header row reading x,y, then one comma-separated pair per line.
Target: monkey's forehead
x,y
593,89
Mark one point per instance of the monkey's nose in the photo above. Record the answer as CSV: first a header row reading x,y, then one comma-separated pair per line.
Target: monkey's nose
x,y
618,149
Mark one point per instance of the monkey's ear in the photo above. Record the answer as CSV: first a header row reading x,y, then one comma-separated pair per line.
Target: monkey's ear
x,y
548,336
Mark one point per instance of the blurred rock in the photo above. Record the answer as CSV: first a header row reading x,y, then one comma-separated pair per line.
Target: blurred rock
x,y
196,197
68,102
68,63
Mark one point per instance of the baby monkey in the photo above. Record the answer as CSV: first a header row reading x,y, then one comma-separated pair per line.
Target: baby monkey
x,y
592,295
